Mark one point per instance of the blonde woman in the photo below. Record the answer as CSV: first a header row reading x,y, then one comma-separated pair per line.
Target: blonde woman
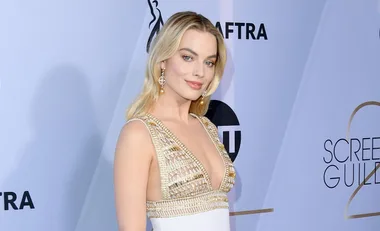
x,y
170,165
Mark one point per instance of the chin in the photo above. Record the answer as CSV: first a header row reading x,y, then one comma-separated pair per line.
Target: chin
x,y
188,93
191,96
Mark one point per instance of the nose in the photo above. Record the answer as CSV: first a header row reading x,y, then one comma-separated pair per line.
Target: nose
x,y
199,70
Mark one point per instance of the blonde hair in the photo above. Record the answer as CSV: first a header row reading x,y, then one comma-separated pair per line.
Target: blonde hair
x,y
163,47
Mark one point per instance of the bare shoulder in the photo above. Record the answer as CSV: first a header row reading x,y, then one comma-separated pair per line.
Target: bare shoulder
x,y
135,129
134,134
133,156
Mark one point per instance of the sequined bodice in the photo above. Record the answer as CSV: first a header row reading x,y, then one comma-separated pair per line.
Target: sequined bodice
x,y
185,184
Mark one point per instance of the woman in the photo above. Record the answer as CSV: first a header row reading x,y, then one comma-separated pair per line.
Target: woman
x,y
169,162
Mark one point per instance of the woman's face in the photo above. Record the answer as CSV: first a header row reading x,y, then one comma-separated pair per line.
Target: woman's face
x,y
190,70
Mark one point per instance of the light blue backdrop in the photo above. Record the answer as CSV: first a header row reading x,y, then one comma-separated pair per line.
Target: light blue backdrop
x,y
69,69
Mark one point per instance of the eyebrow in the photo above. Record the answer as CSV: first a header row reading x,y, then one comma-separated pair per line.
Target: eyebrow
x,y
194,53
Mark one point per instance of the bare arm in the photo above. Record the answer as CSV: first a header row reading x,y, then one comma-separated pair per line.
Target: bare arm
x,y
133,156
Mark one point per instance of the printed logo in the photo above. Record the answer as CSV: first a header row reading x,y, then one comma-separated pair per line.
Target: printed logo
x,y
230,133
156,23
228,126
352,162
13,202
244,30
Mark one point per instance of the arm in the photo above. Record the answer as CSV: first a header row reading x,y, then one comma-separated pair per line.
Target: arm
x,y
133,156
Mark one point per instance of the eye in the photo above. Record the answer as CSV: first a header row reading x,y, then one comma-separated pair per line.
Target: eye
x,y
187,58
210,64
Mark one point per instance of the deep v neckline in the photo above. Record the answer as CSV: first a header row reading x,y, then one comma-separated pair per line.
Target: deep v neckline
x,y
191,154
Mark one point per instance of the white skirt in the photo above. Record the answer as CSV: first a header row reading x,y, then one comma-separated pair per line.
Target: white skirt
x,y
214,220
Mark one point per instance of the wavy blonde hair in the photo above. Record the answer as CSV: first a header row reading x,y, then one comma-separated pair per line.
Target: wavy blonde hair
x,y
163,47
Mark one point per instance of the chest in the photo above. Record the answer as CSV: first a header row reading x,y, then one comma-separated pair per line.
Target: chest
x,y
200,144
191,161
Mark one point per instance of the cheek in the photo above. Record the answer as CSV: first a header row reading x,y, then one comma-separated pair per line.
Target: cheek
x,y
210,74
178,68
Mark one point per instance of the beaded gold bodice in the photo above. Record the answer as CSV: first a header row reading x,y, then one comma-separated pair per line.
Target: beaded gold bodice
x,y
185,184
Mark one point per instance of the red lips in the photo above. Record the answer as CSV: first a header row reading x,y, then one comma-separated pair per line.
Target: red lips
x,y
194,84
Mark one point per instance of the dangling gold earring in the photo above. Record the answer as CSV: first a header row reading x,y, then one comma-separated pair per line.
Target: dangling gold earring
x,y
203,96
162,81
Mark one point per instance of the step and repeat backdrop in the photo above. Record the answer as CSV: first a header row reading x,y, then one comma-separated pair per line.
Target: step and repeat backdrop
x,y
298,109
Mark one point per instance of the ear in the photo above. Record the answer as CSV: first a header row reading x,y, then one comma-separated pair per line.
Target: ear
x,y
162,64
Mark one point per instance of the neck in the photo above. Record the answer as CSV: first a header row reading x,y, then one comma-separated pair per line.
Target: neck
x,y
172,106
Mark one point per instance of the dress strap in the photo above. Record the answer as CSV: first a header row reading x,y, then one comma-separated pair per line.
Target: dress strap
x,y
208,125
230,173
156,138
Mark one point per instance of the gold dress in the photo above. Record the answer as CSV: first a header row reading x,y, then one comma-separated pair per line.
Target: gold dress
x,y
189,202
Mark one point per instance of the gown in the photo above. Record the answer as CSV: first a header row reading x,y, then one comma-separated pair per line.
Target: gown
x,y
189,202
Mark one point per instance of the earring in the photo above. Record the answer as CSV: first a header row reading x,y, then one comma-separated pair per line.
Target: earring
x,y
162,81
203,96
